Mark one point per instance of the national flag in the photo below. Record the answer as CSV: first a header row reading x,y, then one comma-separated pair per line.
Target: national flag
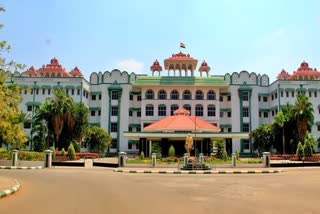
x,y
182,45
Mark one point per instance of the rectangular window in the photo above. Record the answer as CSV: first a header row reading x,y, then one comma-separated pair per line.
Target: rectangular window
x,y
29,108
93,113
27,125
229,98
139,98
221,130
276,95
245,144
265,114
31,91
245,127
99,113
287,93
114,111
114,95
138,113
272,97
78,91
130,113
221,98
67,91
245,112
265,99
130,129
281,93
229,129
310,94
131,97
25,91
37,91
114,143
221,114
162,111
49,91
259,113
138,129
315,94
292,93
259,98
318,127
93,97
100,96
245,96
114,127
84,93
129,145
72,91
272,113
229,113
87,95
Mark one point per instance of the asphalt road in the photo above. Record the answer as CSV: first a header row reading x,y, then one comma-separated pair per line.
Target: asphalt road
x,y
99,190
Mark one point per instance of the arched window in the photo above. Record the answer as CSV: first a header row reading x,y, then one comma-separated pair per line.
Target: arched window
x,y
53,75
187,95
199,95
211,111
162,95
187,107
47,75
211,95
149,110
149,94
174,95
162,110
199,110
59,75
173,108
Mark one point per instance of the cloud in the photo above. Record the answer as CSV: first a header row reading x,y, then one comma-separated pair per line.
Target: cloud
x,y
130,65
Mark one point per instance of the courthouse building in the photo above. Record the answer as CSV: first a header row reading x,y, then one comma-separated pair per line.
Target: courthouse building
x,y
180,96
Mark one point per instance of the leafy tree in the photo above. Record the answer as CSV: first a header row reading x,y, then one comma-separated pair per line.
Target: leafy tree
x,y
97,139
171,152
11,133
262,138
309,143
303,113
220,149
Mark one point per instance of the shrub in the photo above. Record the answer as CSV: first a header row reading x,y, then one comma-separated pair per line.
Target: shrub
x,y
141,155
220,149
63,152
307,149
300,151
4,154
237,155
30,156
171,152
224,155
71,151
76,146
156,148
53,152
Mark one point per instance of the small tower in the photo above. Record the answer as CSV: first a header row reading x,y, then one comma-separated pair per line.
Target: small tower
x,y
204,68
155,67
283,75
180,62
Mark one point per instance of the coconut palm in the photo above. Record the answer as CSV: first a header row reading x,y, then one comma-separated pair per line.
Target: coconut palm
x,y
303,113
280,120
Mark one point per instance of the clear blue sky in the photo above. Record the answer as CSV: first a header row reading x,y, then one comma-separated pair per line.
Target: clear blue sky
x,y
253,35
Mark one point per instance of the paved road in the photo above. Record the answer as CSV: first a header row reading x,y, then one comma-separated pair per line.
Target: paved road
x,y
99,190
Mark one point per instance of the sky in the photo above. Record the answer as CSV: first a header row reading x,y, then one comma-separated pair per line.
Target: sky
x,y
261,36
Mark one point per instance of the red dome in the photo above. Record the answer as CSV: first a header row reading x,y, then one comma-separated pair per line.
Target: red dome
x,y
305,73
283,75
76,72
156,66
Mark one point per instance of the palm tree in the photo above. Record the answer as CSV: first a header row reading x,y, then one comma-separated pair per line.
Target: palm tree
x,y
280,120
303,113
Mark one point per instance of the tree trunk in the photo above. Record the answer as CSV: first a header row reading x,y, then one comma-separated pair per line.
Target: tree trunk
x,y
283,142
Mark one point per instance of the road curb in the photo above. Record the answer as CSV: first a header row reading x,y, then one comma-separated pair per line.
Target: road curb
x,y
199,172
6,192
21,167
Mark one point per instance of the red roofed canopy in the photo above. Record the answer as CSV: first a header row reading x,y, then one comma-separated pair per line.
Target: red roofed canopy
x,y
181,121
54,69
305,73
181,62
31,72
283,75
76,72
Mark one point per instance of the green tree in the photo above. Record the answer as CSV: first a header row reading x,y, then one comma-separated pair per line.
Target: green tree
x,y
262,137
279,119
309,143
71,152
220,149
11,133
97,139
303,112
171,152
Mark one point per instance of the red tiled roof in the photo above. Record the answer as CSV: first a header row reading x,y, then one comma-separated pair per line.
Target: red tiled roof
x,y
76,72
182,121
283,75
30,72
180,56
304,72
156,66
204,66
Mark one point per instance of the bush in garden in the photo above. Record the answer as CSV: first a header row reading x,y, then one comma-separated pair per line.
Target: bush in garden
x,y
30,156
307,149
141,156
53,152
300,151
224,155
237,155
63,152
171,152
71,152
220,149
